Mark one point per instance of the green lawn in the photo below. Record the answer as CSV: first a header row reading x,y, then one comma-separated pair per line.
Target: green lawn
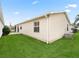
x,y
24,46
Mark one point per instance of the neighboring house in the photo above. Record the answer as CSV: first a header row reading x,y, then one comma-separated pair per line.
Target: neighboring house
x,y
48,28
1,21
12,28
77,26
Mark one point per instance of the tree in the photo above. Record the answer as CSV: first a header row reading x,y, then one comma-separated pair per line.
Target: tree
x,y
77,19
77,24
5,30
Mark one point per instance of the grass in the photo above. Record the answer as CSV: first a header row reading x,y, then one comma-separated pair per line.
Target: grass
x,y
19,45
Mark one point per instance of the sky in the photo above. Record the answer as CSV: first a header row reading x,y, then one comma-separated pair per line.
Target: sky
x,y
16,11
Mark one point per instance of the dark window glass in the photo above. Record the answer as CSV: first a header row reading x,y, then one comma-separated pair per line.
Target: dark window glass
x,y
36,26
21,28
67,28
36,29
36,23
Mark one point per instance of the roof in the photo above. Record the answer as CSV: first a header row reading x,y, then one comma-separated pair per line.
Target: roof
x,y
46,14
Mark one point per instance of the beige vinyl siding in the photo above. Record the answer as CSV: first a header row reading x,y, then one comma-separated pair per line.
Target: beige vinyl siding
x,y
1,21
51,27
1,26
57,26
28,29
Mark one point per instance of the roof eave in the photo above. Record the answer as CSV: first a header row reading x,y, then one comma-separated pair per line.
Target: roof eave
x,y
50,13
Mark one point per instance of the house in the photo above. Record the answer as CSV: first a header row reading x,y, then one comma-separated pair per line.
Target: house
x,y
47,28
1,22
12,28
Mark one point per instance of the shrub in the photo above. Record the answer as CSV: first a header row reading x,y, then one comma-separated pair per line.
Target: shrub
x,y
5,30
74,30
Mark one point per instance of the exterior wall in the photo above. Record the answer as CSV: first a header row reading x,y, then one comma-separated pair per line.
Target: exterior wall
x,y
1,26
16,28
28,29
57,26
1,21
52,27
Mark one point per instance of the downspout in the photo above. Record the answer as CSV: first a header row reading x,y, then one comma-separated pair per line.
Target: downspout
x,y
47,22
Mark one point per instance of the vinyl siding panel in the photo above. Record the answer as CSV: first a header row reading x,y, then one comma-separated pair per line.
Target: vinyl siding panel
x,y
1,26
28,29
57,26
51,27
